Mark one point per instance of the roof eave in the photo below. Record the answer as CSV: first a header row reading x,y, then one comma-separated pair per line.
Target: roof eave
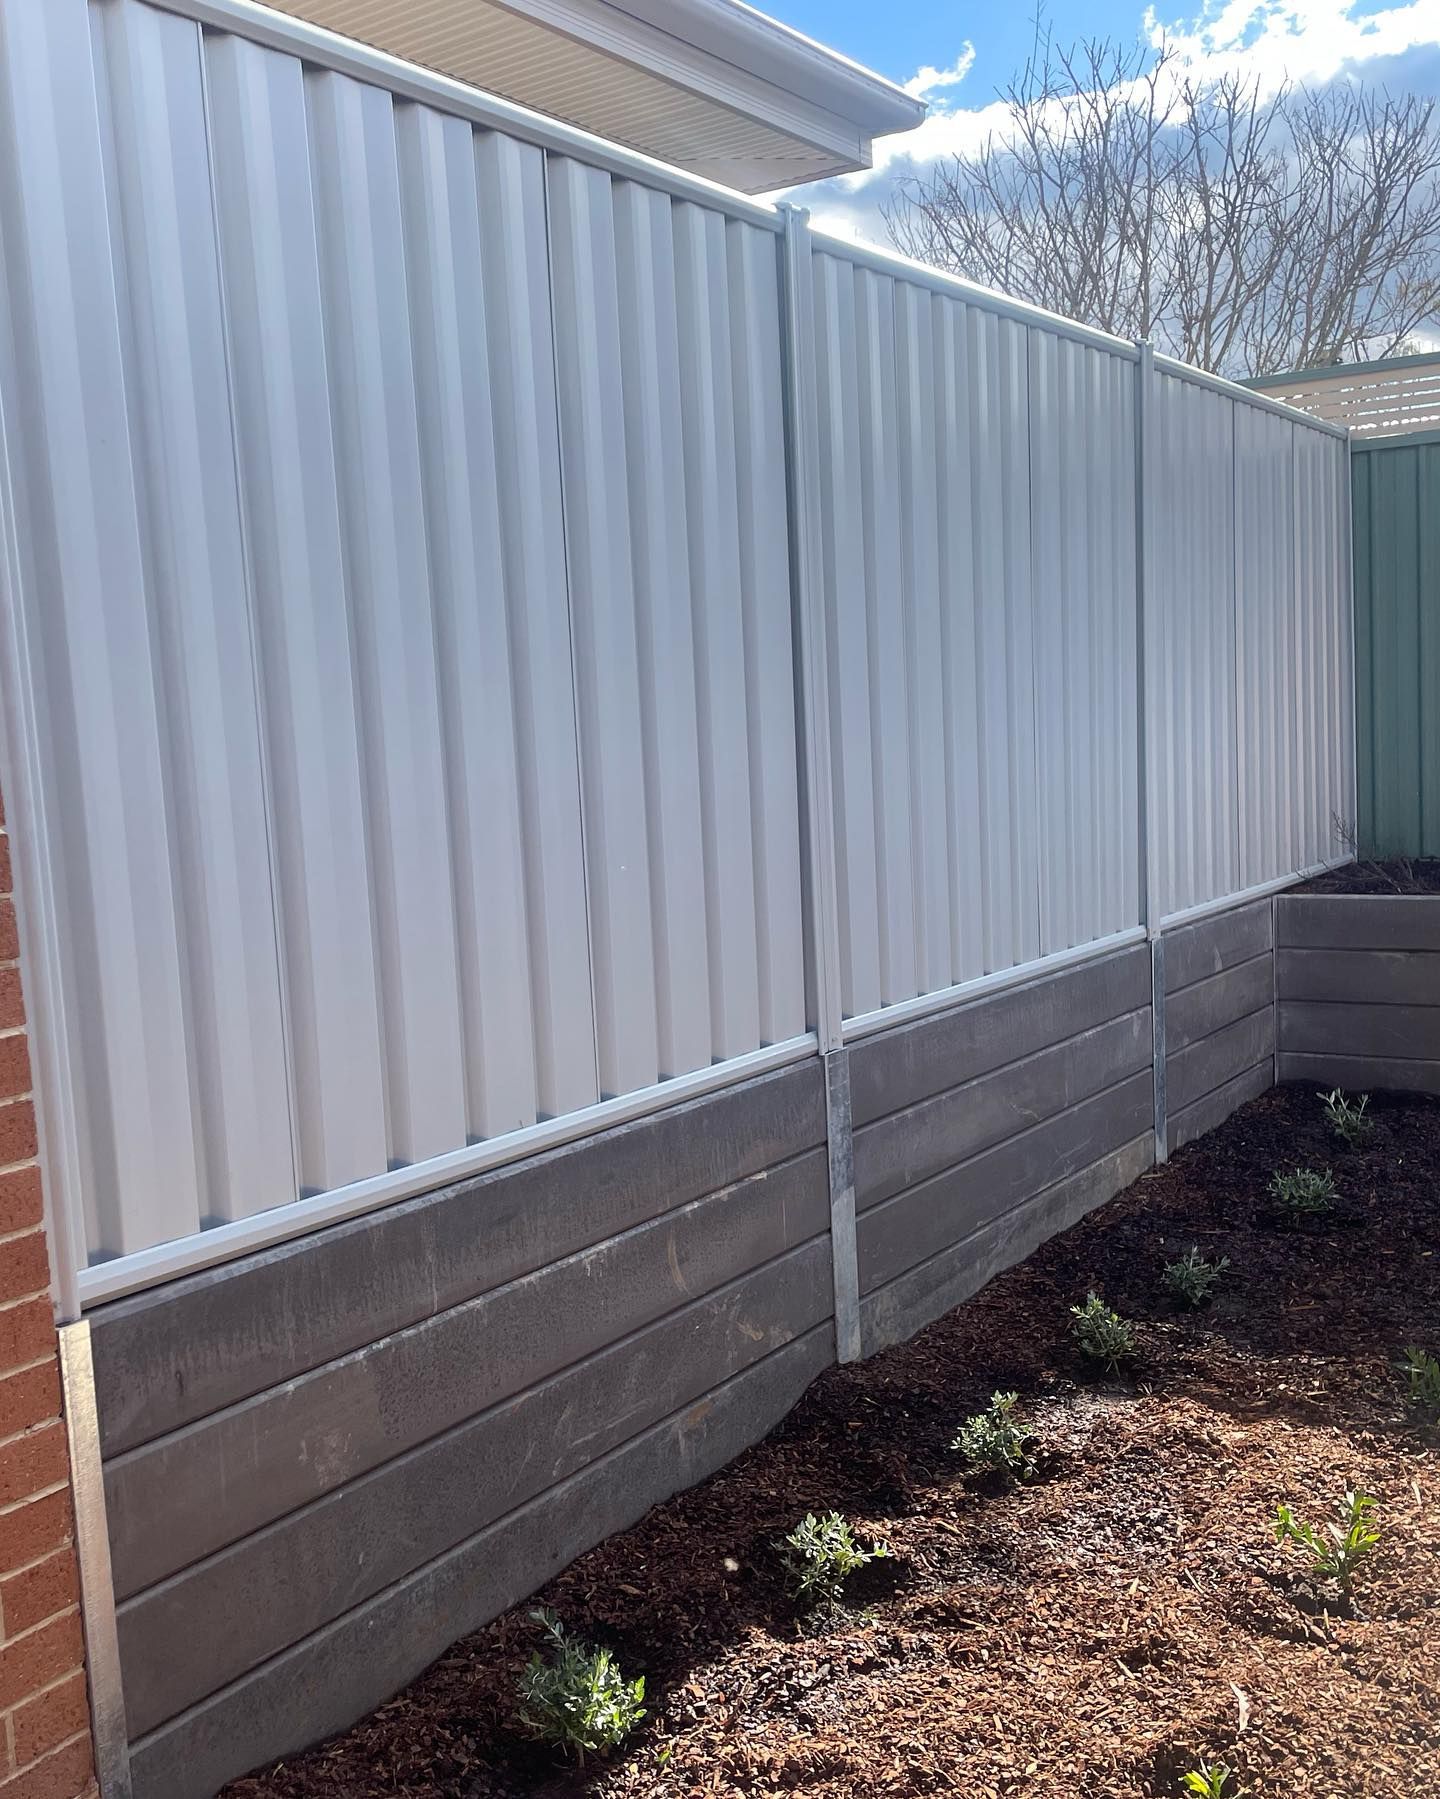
x,y
737,33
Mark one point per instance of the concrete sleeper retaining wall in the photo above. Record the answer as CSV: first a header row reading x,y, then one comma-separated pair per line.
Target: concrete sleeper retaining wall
x,y
327,1461
1219,1017
1358,977
984,1130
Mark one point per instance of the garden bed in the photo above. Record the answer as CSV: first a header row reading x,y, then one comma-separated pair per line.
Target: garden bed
x,y
1404,875
1095,1632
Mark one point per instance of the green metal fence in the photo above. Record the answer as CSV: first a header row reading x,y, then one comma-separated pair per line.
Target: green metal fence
x,y
1396,485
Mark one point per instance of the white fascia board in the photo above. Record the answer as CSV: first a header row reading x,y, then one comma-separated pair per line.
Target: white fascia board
x,y
737,33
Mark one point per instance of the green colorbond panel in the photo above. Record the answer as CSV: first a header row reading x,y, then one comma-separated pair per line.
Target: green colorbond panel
x,y
1396,489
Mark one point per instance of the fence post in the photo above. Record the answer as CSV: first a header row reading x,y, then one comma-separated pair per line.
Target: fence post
x,y
1151,900
817,806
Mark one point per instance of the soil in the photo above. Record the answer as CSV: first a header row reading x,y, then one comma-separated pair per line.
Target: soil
x,y
1095,1632
1400,874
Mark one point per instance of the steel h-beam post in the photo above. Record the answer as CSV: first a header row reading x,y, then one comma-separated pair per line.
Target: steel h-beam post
x,y
813,706
1151,899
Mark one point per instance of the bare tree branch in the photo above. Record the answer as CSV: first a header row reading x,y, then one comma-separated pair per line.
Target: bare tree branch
x,y
1243,234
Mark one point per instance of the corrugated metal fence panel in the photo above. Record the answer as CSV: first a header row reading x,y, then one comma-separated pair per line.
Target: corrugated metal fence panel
x,y
405,580
1250,731
1294,636
390,807
1397,623
1082,435
925,499
1267,645
355,780
668,348
1190,619
130,553
1324,591
978,491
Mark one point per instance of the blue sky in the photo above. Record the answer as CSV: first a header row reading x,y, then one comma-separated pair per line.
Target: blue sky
x,y
958,52
897,37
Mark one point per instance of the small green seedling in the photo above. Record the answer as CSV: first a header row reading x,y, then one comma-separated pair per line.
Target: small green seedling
x,y
1211,1780
1304,1192
575,1697
1422,1380
1192,1278
992,1439
1349,1119
1337,1551
1102,1334
820,1555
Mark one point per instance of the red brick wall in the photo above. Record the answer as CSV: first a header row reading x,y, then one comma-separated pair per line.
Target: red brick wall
x,y
45,1748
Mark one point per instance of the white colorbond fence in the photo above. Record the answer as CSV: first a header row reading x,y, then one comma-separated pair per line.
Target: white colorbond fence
x,y
1249,633
420,521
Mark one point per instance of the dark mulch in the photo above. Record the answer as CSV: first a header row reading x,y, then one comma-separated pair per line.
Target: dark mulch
x,y
1092,1634
1398,874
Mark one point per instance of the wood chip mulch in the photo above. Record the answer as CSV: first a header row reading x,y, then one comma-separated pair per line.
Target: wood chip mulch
x,y
1097,1632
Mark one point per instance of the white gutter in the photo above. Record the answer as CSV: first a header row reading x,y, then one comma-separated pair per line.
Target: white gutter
x,y
739,34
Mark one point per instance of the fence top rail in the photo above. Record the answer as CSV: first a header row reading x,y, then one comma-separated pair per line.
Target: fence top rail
x,y
408,81
1345,373
956,287
1396,440
1241,390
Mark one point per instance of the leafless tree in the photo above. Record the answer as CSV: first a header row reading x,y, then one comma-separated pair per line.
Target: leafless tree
x,y
1245,233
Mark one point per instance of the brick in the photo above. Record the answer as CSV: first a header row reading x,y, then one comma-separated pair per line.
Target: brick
x,y
14,1065
50,1719
34,1661
18,1142
67,1774
33,1530
9,932
27,1333
41,1591
12,999
24,1267
7,879
28,1398
22,1201
30,1463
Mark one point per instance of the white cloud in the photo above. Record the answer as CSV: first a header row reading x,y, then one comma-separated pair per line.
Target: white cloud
x,y
1274,41
929,80
1295,40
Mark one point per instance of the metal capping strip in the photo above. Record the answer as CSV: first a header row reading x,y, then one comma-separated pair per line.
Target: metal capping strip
x,y
1230,902
224,1242
92,1551
867,1024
